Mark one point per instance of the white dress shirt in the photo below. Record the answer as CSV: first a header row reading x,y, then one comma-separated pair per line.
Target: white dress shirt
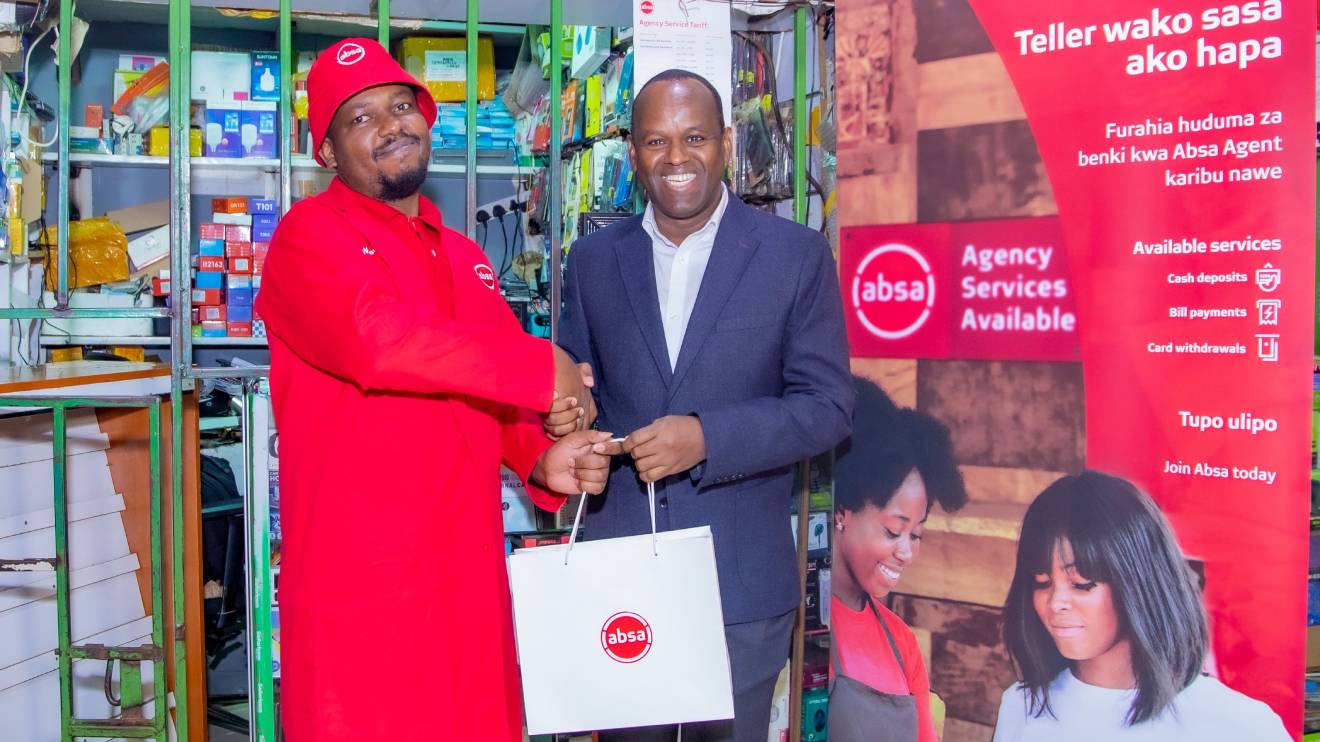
x,y
678,272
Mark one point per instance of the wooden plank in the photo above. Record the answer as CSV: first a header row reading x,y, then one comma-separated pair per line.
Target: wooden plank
x,y
957,730
14,379
955,566
1008,414
986,171
969,666
898,377
996,484
964,91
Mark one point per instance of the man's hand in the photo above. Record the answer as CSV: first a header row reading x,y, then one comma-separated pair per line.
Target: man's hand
x,y
568,414
575,464
568,377
670,445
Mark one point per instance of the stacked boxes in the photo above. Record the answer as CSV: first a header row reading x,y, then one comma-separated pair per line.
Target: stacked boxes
x,y
231,252
235,99
496,128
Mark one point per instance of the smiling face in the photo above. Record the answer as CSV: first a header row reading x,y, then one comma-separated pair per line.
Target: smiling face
x,y
1081,617
379,143
679,148
875,544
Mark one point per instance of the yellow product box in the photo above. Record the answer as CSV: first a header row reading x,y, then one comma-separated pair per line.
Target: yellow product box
x,y
595,92
194,142
441,63
584,181
64,355
133,353
158,144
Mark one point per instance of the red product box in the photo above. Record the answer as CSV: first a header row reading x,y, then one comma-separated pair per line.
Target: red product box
x,y
240,265
238,250
229,205
529,542
260,249
237,233
210,263
210,231
209,314
258,263
161,287
239,329
207,297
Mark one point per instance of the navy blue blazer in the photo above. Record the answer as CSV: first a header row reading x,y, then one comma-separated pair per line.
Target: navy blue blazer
x,y
764,365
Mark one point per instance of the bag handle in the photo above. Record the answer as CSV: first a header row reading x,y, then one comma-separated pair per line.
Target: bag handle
x,y
582,506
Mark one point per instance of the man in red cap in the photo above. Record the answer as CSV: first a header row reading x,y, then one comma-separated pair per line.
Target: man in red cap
x,y
401,381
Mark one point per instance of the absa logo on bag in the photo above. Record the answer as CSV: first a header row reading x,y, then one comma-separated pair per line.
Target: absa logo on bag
x,y
626,637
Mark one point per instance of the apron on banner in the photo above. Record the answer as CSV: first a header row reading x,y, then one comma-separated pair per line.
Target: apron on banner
x,y
621,632
860,713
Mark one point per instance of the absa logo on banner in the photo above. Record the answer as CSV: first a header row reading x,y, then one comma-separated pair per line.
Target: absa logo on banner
x,y
626,637
894,287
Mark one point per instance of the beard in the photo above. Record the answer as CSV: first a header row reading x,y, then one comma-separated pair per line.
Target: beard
x,y
404,183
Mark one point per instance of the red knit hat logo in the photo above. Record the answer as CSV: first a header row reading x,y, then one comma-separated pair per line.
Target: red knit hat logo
x,y
346,69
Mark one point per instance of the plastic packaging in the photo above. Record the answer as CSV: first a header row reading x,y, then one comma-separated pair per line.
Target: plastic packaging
x,y
98,253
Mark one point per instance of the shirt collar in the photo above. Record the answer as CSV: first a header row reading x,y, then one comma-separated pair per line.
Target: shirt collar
x,y
426,210
713,224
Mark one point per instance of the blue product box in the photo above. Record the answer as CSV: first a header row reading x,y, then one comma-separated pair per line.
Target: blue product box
x,y
263,234
210,332
263,221
211,248
238,281
208,280
240,297
222,136
261,206
265,76
258,129
238,313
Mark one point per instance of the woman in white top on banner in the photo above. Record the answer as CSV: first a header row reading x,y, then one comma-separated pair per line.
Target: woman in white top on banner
x,y
1105,624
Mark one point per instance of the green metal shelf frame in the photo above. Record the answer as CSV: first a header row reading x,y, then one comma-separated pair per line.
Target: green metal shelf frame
x,y
132,725
183,373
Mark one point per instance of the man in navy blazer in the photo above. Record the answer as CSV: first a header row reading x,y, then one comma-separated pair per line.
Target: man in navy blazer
x,y
715,334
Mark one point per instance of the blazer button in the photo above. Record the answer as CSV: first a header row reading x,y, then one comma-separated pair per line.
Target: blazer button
x,y
664,502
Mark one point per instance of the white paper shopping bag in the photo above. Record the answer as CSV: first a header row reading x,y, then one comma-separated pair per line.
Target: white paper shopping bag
x,y
621,632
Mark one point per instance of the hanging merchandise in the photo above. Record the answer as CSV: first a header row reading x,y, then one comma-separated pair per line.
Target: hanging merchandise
x,y
763,152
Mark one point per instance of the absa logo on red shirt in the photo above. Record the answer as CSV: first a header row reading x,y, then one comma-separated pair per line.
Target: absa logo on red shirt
x,y
486,275
893,291
350,54
626,637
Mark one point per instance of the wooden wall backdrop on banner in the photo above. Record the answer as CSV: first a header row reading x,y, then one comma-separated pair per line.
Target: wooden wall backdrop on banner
x,y
931,130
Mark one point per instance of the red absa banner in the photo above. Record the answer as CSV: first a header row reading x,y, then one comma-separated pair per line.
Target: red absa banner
x,y
1178,142
966,290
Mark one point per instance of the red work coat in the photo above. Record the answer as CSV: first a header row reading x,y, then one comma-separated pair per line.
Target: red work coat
x,y
400,381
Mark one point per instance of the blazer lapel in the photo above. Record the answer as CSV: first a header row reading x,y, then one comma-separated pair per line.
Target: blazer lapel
x,y
734,246
637,269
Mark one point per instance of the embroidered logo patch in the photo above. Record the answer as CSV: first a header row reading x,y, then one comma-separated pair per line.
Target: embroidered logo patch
x,y
486,275
367,250
350,54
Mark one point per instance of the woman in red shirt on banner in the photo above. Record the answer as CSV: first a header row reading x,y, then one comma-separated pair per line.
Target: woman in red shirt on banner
x,y
896,466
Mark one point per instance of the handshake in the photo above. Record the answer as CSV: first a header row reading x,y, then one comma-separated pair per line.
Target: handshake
x,y
580,460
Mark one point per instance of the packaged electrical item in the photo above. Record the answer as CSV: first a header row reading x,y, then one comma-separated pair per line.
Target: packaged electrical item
x,y
221,76
258,129
223,136
98,253
591,47
441,63
265,76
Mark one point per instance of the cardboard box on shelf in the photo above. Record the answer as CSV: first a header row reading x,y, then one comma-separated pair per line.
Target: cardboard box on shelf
x,y
229,205
262,206
238,250
238,233
215,248
238,281
239,266
212,232
223,135
207,297
141,217
440,62
259,132
239,314
213,329
209,279
265,84
210,314
231,219
210,263
221,76
239,329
